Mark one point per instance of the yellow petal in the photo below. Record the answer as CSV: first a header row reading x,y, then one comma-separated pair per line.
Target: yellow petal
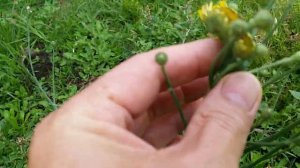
x,y
245,46
248,41
200,13
221,7
230,14
222,3
204,10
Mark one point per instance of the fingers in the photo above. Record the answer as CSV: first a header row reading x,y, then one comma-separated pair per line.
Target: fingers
x,y
130,88
186,93
165,104
195,89
222,122
164,130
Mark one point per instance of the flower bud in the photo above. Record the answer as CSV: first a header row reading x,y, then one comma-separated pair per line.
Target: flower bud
x,y
161,58
216,24
214,21
239,27
263,20
261,50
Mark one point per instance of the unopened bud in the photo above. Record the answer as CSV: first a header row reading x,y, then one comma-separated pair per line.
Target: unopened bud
x,y
215,23
239,27
261,50
263,19
161,58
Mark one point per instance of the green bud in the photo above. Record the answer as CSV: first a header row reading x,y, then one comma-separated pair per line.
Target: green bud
x,y
214,21
216,24
239,27
261,50
161,58
263,19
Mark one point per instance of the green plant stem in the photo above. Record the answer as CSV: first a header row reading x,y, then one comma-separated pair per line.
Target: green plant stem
x,y
286,142
279,94
29,51
261,120
32,73
292,163
218,61
265,157
274,136
278,77
274,64
53,79
34,79
280,145
174,96
229,68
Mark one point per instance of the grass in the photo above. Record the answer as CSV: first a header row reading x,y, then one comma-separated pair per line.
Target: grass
x,y
70,44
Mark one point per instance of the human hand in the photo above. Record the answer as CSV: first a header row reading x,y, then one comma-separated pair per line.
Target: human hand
x,y
127,119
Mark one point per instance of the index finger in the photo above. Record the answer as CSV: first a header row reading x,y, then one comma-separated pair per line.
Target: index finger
x,y
135,83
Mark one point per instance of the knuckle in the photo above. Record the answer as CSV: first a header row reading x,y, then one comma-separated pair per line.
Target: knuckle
x,y
228,119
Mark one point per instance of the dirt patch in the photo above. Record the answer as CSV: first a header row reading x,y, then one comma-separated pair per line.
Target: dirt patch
x,y
41,62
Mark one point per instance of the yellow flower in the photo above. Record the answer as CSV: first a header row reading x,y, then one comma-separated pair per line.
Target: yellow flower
x,y
205,9
221,8
244,47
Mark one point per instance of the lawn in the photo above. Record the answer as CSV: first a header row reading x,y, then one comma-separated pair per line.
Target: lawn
x,y
51,49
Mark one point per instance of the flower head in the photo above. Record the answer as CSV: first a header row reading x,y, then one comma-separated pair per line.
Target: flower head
x,y
220,8
244,46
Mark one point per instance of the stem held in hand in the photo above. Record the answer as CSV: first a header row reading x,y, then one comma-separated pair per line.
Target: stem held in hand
x,y
161,59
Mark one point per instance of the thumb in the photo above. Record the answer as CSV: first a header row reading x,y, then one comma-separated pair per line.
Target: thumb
x,y
221,124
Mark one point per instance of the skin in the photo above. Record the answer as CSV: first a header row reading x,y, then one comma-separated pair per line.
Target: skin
x,y
127,119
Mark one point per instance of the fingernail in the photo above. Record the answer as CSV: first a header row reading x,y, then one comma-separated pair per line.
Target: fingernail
x,y
242,89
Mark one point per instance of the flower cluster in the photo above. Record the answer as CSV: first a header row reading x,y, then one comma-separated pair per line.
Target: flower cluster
x,y
223,20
